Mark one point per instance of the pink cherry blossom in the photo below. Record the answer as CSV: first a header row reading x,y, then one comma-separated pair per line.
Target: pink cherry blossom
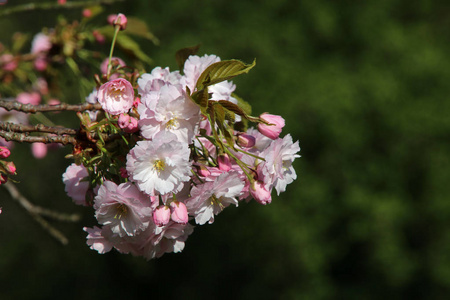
x,y
116,96
272,131
122,207
97,241
127,123
41,43
76,187
29,98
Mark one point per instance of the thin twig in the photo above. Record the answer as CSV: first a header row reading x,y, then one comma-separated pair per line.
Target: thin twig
x,y
8,126
36,212
53,5
29,108
46,139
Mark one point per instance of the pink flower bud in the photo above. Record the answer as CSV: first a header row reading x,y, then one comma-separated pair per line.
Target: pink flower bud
x,y
245,140
39,150
116,96
224,162
87,13
100,38
260,193
136,102
161,215
203,171
127,123
119,19
4,152
3,178
62,2
271,131
179,212
10,168
123,172
115,61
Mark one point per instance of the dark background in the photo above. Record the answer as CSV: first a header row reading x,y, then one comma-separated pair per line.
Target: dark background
x,y
363,86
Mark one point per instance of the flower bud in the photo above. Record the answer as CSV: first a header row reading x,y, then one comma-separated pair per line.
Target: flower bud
x,y
161,215
100,38
260,193
136,102
224,162
127,123
87,13
119,19
123,172
4,152
179,212
245,140
271,131
3,178
10,167
203,171
40,64
8,62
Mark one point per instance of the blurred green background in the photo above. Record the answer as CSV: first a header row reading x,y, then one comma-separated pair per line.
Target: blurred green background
x,y
363,86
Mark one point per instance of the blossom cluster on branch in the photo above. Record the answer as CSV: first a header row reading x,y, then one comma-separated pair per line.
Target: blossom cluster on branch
x,y
157,153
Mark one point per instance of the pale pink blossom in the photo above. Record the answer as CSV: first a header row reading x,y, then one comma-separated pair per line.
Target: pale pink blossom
x,y
97,241
122,207
41,43
159,166
33,98
174,112
116,96
274,129
212,197
75,184
277,170
39,150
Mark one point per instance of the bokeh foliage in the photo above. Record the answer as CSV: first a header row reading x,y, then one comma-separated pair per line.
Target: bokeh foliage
x,y
363,85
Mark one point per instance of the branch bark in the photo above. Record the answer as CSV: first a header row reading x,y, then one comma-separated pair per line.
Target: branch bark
x,y
46,139
29,108
8,126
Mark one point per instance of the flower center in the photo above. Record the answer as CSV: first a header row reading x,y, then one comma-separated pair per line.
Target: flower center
x,y
159,165
122,210
172,124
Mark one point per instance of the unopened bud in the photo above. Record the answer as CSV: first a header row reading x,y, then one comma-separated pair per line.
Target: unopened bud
x,y
10,168
161,215
245,140
271,131
260,193
179,212
224,162
3,178
119,19
4,152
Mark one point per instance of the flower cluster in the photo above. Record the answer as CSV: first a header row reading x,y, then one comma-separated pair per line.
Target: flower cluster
x,y
182,155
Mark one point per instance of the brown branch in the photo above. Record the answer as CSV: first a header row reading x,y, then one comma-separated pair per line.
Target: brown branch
x,y
36,212
29,108
8,126
47,139
53,5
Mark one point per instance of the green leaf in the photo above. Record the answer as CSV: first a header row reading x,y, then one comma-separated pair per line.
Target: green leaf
x,y
183,54
221,71
139,28
237,110
201,98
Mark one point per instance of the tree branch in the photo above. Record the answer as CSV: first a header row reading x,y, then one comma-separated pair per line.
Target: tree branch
x,y
29,108
8,126
53,5
36,212
46,139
